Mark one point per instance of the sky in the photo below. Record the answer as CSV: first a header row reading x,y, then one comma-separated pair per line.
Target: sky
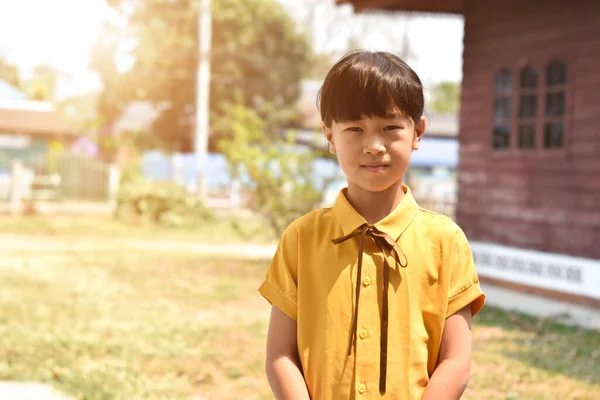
x,y
58,32
62,32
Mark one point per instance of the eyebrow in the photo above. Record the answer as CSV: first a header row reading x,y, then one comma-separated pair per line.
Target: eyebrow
x,y
394,115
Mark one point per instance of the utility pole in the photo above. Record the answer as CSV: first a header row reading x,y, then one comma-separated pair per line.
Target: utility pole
x,y
406,51
203,92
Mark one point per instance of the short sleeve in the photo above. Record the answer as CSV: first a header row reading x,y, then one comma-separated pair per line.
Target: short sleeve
x,y
280,287
464,282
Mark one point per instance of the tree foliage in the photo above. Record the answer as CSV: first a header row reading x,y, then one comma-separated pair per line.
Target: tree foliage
x,y
445,97
258,56
10,74
280,175
42,85
80,110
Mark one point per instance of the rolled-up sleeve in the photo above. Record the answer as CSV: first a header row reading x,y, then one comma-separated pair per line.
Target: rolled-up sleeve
x,y
464,281
280,287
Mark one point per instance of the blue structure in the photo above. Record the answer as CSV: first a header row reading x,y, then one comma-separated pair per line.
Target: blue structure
x,y
158,166
436,152
182,168
10,93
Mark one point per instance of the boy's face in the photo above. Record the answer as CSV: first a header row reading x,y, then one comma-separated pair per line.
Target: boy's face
x,y
374,153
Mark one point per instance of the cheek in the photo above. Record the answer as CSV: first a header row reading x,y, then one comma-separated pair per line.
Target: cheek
x,y
345,147
342,155
401,150
403,142
347,155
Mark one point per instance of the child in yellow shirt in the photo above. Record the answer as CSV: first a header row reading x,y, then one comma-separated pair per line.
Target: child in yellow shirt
x,y
373,297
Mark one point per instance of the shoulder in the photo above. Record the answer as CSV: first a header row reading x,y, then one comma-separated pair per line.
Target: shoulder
x,y
308,224
438,227
445,238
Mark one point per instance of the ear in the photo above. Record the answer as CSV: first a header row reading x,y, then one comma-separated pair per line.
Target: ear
x,y
329,137
419,131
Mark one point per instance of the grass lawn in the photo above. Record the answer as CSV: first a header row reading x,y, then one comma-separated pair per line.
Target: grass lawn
x,y
227,228
126,324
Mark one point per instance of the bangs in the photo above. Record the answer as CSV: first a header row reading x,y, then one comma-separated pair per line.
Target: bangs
x,y
370,85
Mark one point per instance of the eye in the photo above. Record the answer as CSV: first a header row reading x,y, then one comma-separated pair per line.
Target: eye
x,y
392,128
354,129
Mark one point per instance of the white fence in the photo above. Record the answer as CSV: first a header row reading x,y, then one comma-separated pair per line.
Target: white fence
x,y
72,180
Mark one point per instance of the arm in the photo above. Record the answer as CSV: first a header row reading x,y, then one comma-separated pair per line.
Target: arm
x,y
282,364
450,378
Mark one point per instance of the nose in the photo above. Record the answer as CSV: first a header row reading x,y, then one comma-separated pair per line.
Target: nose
x,y
374,145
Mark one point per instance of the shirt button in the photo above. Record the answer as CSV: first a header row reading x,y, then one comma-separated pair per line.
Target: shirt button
x,y
366,281
363,334
362,388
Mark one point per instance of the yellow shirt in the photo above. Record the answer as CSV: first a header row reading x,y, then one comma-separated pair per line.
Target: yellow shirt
x,y
313,281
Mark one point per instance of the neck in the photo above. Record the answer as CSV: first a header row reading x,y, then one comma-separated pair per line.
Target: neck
x,y
375,206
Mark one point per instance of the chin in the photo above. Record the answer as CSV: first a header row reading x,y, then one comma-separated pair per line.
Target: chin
x,y
375,187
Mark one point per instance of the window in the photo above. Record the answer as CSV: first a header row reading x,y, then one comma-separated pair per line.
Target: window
x,y
556,79
528,97
502,109
530,108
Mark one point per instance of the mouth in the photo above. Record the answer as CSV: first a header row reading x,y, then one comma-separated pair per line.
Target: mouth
x,y
375,167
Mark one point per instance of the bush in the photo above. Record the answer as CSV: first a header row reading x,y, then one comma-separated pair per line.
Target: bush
x,y
279,172
161,203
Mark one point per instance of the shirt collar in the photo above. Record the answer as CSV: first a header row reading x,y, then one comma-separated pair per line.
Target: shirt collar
x,y
394,224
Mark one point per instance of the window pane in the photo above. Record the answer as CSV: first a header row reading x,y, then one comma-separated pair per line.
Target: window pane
x,y
529,78
504,82
553,135
555,104
556,74
528,106
527,136
502,110
501,137
503,87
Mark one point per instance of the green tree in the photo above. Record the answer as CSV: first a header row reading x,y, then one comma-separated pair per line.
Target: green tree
x,y
10,74
42,85
259,55
445,98
281,174
80,110
320,65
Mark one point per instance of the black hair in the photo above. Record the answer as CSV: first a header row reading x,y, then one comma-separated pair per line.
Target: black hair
x,y
372,84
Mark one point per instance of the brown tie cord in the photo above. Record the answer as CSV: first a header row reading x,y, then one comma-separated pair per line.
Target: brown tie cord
x,y
384,242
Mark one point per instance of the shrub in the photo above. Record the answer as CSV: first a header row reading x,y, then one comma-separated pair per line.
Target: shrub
x,y
160,203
